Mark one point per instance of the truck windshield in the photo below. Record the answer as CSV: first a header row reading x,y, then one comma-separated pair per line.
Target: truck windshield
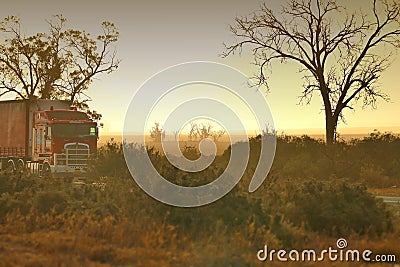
x,y
69,130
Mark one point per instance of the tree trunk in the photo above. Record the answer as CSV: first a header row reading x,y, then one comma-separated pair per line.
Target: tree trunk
x,y
45,94
330,128
72,98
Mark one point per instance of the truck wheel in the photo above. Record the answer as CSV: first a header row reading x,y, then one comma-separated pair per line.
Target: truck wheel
x,y
46,171
10,167
20,167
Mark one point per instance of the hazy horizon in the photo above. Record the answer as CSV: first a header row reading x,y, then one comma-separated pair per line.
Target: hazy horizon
x,y
350,133
299,131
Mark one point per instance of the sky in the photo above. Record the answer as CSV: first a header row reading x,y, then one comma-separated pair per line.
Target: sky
x,y
155,35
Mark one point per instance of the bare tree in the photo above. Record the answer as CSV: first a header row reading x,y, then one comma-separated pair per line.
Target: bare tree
x,y
193,131
342,54
205,130
157,133
217,134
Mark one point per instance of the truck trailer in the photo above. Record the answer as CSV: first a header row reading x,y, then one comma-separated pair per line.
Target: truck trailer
x,y
45,137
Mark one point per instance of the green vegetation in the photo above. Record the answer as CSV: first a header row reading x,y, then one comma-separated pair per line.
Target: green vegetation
x,y
314,195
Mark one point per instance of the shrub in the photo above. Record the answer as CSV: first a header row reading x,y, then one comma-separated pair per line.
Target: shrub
x,y
51,200
335,208
109,161
233,211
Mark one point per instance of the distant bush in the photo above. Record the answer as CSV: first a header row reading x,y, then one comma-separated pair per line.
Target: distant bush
x,y
373,160
380,151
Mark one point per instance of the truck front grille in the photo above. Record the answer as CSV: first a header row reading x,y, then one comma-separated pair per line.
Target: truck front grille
x,y
76,154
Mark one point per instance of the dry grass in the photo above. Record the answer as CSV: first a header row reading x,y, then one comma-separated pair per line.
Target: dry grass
x,y
61,240
81,240
391,191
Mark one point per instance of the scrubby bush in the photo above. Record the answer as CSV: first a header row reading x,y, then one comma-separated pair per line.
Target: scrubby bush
x,y
372,160
50,200
109,161
335,208
232,211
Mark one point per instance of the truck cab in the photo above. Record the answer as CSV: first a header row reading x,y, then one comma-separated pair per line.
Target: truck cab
x,y
63,140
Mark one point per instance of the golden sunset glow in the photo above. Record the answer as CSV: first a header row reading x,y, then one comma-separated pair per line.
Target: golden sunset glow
x,y
158,35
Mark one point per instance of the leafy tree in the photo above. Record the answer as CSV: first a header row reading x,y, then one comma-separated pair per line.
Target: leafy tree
x,y
342,54
58,64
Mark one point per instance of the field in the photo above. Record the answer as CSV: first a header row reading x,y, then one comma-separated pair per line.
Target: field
x,y
314,195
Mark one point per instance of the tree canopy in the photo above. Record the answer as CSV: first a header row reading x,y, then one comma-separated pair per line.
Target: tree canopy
x,y
58,64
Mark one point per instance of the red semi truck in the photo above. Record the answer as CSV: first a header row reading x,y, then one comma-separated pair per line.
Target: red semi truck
x,y
45,136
